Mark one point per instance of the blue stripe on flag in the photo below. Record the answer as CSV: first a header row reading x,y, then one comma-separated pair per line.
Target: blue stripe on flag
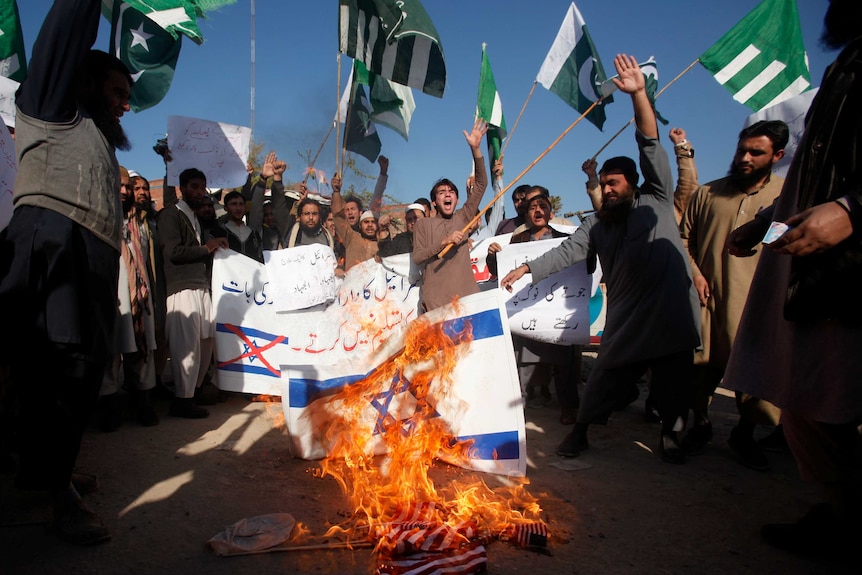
x,y
485,324
500,445
305,391
253,369
250,332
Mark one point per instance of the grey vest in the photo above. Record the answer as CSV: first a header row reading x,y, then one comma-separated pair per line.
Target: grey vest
x,y
69,168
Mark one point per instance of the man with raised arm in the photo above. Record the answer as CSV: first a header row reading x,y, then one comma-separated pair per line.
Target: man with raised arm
x,y
59,256
653,312
450,276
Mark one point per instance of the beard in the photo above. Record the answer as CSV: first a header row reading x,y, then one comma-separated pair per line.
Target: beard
x,y
615,210
745,181
97,108
841,24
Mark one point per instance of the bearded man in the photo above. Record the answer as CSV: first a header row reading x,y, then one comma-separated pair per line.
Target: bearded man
x,y
722,281
653,314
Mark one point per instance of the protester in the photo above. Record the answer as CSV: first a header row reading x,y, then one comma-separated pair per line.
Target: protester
x,y
451,275
652,318
510,224
403,242
722,281
536,359
190,324
358,245
799,338
241,237
59,255
135,327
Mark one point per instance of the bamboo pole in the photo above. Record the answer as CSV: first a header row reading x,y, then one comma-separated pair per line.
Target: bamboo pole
x,y
323,143
338,110
518,119
316,547
659,93
469,225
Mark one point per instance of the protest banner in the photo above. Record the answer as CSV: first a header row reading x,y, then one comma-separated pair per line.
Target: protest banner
x,y
374,302
8,88
219,150
484,406
301,277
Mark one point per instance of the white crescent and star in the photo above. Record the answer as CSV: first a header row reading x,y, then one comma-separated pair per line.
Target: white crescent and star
x,y
139,37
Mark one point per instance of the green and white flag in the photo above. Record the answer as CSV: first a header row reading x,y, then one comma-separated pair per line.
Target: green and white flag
x,y
572,69
174,16
762,60
391,104
13,62
490,108
360,133
650,72
148,51
395,39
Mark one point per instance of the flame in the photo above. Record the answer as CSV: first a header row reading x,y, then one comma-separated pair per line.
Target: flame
x,y
396,489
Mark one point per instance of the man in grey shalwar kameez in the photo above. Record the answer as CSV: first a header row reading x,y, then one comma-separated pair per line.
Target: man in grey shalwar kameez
x,y
653,310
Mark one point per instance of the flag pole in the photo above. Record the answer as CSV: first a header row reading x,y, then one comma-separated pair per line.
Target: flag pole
x,y
323,143
659,93
518,119
338,110
475,219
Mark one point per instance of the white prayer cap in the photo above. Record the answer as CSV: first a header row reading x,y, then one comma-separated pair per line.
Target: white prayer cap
x,y
419,207
133,174
365,215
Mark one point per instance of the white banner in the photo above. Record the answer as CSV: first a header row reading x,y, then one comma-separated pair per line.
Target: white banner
x,y
484,406
301,277
8,171
219,150
374,302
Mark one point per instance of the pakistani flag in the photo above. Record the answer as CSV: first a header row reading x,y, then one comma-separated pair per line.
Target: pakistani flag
x,y
395,39
13,62
360,134
391,104
174,16
572,69
762,60
148,51
490,109
650,72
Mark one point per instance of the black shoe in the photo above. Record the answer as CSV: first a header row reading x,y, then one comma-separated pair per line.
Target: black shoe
x,y
186,407
206,395
85,483
651,414
147,416
747,451
694,442
76,524
774,442
670,449
112,413
572,445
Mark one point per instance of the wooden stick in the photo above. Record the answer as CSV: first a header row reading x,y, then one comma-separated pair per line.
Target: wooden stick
x,y
314,159
521,175
338,108
518,119
659,93
317,547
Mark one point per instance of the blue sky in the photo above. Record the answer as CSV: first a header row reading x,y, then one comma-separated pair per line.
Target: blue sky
x,y
296,85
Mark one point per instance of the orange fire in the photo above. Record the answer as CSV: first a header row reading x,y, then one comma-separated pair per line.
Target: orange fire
x,y
395,489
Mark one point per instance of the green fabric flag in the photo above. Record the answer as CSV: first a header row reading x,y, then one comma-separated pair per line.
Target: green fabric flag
x,y
762,59
490,108
572,69
391,104
174,16
148,51
13,61
360,133
650,72
395,39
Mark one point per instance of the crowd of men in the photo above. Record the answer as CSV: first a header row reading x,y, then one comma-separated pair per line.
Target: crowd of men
x,y
104,289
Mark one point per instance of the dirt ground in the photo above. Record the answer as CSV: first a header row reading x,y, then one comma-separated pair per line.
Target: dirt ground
x,y
619,509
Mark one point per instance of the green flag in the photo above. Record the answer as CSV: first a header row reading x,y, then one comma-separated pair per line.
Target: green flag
x,y
391,104
490,108
762,59
572,69
360,134
650,72
13,62
174,16
395,39
148,51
